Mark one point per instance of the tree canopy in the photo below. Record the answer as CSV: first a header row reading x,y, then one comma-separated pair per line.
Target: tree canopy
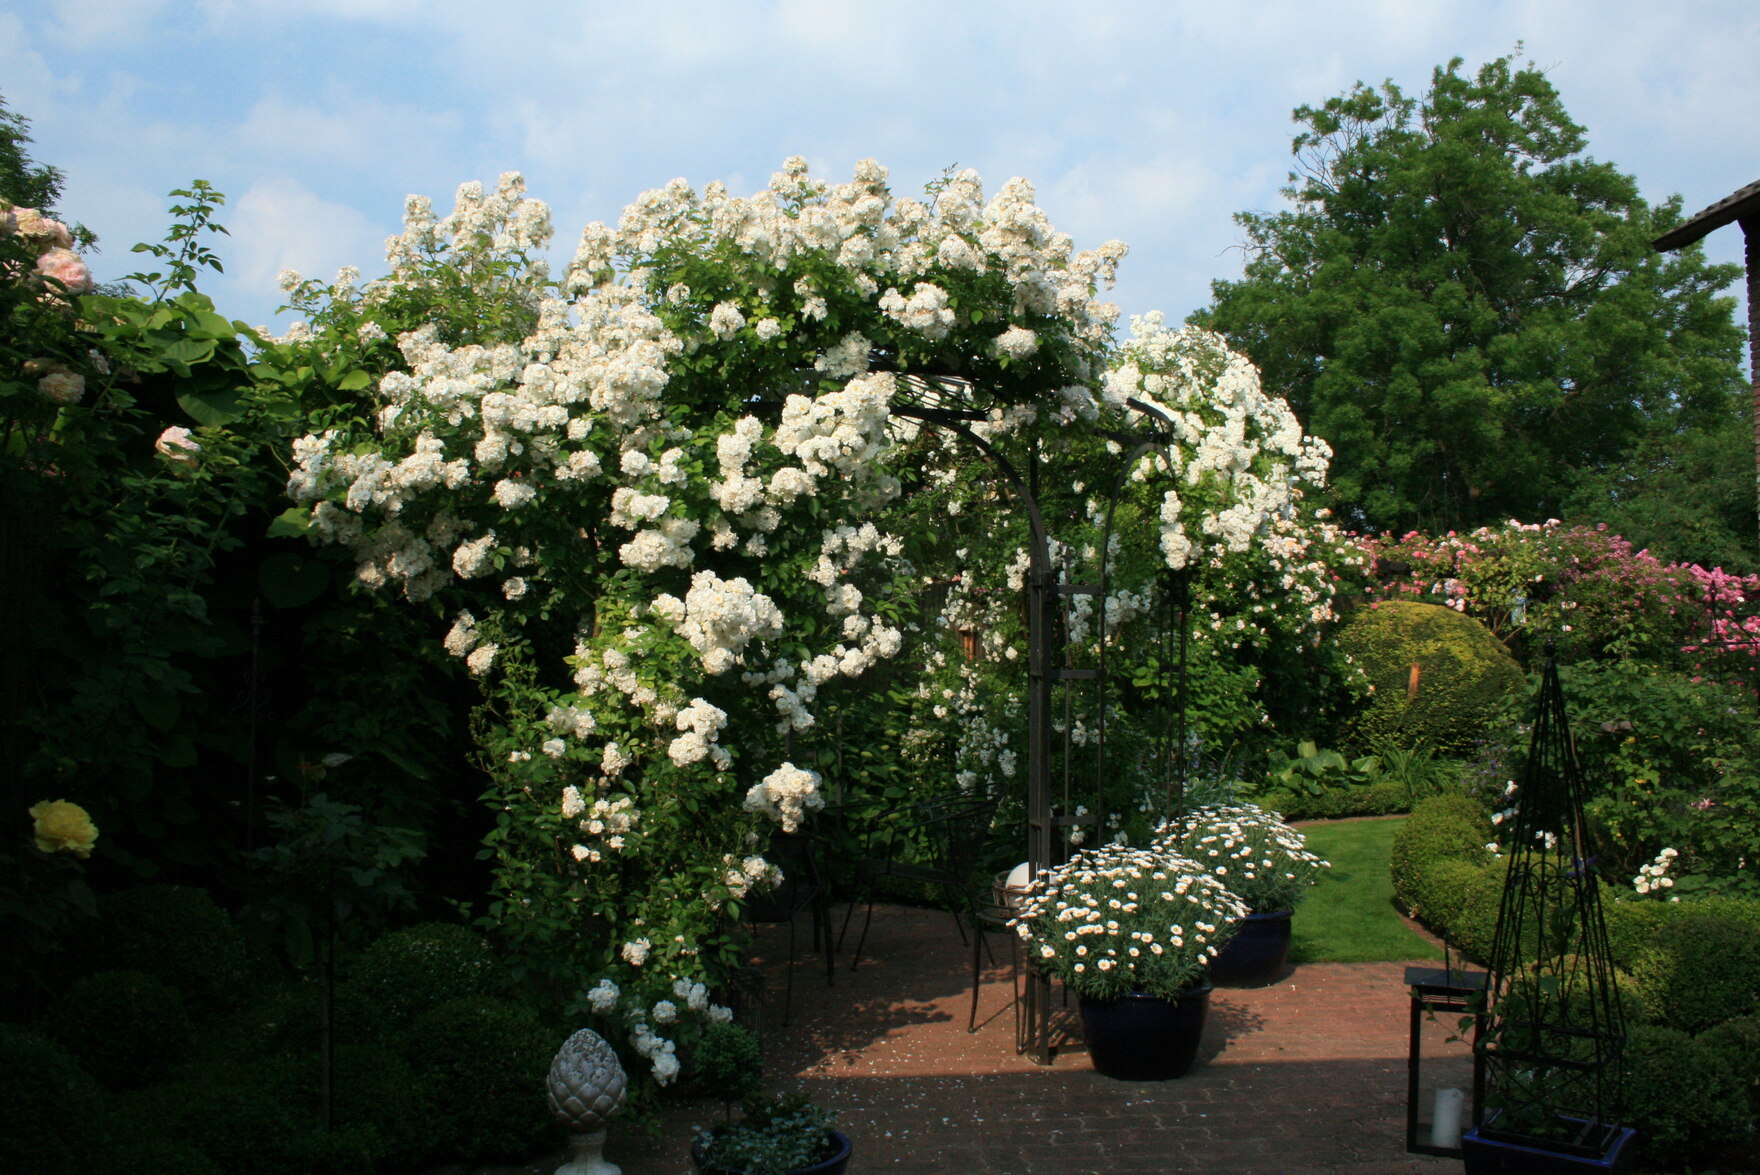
x,y
1467,307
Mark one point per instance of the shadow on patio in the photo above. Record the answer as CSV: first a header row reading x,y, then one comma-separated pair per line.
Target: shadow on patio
x,y
1306,1075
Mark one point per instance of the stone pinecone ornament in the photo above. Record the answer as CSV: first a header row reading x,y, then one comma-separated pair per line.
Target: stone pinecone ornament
x,y
586,1082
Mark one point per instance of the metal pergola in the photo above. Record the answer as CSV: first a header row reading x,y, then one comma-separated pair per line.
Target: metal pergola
x,y
945,402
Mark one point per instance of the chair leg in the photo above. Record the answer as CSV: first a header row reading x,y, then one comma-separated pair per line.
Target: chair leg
x,y
958,922
822,922
863,939
788,988
972,1020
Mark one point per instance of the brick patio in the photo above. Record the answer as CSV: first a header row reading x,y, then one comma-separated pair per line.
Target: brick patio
x,y
1305,1075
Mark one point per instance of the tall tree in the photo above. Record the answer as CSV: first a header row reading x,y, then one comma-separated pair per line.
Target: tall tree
x,y
1468,308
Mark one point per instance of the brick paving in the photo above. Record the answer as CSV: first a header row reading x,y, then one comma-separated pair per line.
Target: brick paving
x,y
1306,1075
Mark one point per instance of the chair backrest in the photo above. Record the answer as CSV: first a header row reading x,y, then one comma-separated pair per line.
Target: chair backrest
x,y
956,830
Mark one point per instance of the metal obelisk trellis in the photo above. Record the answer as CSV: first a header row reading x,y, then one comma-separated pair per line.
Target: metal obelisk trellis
x,y
1552,1036
1049,790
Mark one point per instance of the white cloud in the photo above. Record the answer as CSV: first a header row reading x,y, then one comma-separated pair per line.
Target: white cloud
x,y
281,224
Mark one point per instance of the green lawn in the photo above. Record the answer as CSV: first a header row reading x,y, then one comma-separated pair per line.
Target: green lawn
x,y
1350,918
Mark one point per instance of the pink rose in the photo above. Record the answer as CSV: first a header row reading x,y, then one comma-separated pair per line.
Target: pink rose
x,y
65,267
33,225
176,444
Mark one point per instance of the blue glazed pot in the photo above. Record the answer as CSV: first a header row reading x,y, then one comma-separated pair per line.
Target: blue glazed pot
x,y
1256,954
1489,1153
1141,1037
834,1165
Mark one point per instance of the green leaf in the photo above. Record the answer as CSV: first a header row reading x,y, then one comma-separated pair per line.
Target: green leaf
x,y
160,710
355,381
211,407
186,351
292,522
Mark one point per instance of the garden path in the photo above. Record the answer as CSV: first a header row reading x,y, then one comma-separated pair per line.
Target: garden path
x,y
1304,1076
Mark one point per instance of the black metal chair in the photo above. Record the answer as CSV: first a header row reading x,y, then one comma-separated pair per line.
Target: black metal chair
x,y
937,842
803,889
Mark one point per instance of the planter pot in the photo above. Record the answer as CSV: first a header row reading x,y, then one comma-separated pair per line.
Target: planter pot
x,y
1143,1037
834,1165
1256,954
1489,1152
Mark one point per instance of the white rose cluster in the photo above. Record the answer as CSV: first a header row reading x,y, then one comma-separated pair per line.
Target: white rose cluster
x,y
786,795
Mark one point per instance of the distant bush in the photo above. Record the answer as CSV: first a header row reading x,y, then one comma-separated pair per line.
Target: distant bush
x,y
1382,798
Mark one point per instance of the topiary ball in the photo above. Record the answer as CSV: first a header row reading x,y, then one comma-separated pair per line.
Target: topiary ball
x,y
52,1111
125,1027
409,971
1680,1095
1437,677
1699,971
174,933
485,1060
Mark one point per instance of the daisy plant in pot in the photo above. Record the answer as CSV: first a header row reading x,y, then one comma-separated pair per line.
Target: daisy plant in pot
x,y
1263,862
1131,932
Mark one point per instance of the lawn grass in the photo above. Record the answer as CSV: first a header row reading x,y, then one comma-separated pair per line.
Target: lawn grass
x,y
1349,917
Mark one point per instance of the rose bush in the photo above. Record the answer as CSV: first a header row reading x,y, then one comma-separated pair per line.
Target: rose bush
x,y
673,502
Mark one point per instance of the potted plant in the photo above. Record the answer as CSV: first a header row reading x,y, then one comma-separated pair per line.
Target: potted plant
x,y
1265,863
784,1135
1132,932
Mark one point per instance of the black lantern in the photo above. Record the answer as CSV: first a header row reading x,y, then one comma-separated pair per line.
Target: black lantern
x,y
1444,997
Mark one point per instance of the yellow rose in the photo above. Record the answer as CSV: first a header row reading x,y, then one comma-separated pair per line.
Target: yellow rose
x,y
64,827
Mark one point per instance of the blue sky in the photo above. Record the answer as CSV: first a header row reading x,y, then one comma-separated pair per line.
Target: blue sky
x,y
1152,122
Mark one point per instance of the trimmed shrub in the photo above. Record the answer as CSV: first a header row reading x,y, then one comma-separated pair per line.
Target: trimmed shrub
x,y
486,1060
228,1113
377,1100
1442,891
51,1110
1475,927
159,1156
1462,674
1737,1045
409,971
1698,971
1447,827
125,1027
1680,1094
174,933
1382,798
1632,925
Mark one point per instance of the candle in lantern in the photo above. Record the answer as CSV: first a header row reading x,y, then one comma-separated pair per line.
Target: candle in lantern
x,y
1445,1118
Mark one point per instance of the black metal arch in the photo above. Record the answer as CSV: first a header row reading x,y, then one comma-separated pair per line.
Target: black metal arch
x,y
1047,603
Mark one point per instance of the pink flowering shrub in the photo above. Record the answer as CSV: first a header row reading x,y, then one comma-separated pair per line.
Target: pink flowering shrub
x,y
1587,587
